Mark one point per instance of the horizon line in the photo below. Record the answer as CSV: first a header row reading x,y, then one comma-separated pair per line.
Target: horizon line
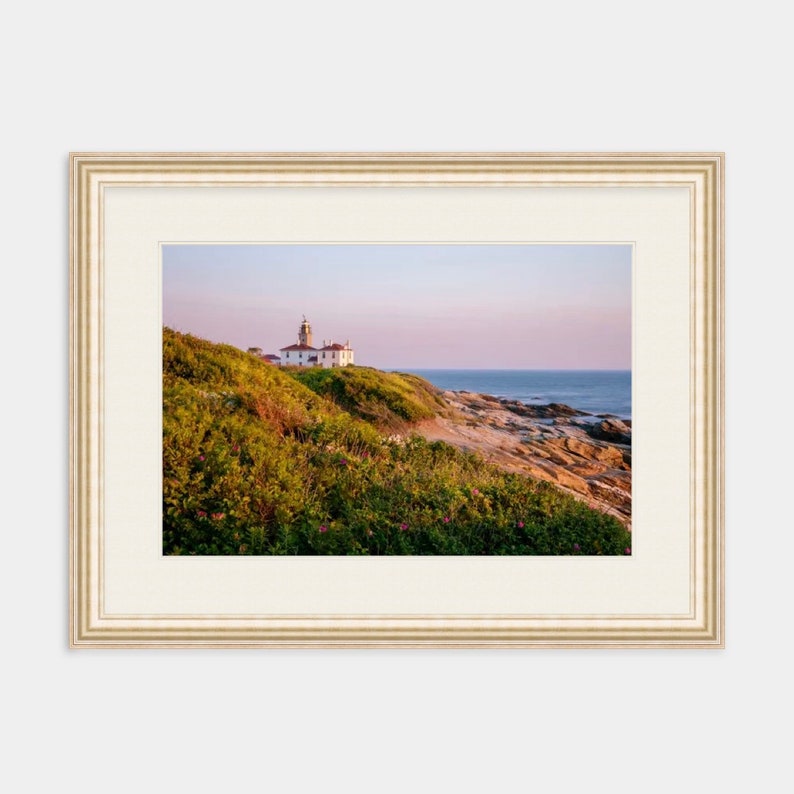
x,y
507,369
431,368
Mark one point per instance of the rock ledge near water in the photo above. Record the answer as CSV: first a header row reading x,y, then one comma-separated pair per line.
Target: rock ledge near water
x,y
583,456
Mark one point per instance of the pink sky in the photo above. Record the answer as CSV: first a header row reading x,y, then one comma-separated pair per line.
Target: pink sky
x,y
412,306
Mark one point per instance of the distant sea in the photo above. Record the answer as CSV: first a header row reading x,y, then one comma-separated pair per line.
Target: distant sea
x,y
593,391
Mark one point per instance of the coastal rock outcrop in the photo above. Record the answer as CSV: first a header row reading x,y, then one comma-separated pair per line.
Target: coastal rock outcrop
x,y
584,455
611,430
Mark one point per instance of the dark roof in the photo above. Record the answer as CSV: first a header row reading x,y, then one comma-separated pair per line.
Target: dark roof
x,y
335,346
298,347
272,356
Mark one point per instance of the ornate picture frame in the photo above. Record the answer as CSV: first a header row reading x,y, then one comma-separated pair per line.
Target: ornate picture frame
x,y
125,206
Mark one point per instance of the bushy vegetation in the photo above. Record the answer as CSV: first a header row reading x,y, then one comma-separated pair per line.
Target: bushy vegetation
x,y
389,399
256,462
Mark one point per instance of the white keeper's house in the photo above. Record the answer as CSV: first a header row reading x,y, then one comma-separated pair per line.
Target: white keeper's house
x,y
304,354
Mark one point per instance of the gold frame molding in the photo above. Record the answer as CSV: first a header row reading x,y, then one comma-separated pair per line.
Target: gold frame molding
x,y
91,173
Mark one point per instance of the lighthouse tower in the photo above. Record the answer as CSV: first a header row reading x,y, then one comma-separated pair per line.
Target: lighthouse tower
x,y
305,333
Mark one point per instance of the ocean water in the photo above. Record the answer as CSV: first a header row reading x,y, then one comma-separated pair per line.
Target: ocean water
x,y
593,391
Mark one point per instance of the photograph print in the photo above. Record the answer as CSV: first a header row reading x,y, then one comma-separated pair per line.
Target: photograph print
x,y
397,399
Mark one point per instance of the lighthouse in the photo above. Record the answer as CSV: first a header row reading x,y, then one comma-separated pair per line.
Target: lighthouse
x,y
304,354
305,333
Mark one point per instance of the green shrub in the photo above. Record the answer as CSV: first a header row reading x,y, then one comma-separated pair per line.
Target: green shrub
x,y
389,399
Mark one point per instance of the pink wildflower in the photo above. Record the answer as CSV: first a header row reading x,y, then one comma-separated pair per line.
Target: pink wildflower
x,y
446,519
343,462
218,516
323,528
202,513
627,550
576,547
474,491
201,457
520,524
403,527
236,448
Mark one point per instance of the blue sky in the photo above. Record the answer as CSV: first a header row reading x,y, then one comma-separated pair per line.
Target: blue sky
x,y
412,306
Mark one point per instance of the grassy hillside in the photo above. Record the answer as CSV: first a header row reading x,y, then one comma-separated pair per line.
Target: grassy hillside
x,y
388,399
256,462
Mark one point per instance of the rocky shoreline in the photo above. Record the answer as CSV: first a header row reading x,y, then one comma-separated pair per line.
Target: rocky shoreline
x,y
587,456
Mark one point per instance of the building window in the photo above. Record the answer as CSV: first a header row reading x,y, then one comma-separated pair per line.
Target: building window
x,y
323,355
288,354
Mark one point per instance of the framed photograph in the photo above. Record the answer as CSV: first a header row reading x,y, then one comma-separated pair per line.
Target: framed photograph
x,y
396,400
